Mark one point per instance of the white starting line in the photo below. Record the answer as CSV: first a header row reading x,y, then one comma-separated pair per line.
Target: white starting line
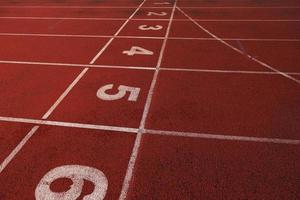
x,y
124,130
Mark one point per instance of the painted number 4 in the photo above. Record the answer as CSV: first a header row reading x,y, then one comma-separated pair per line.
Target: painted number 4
x,y
122,91
137,50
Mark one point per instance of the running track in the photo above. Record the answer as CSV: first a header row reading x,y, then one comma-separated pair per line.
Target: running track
x,y
154,99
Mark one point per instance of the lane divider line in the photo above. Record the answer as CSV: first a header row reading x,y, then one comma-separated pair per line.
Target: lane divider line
x,y
69,124
9,158
82,7
116,34
146,37
147,19
65,93
187,69
224,137
119,129
154,7
137,143
239,51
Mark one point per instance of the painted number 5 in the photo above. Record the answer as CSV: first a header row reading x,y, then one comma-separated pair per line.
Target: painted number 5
x,y
133,93
77,174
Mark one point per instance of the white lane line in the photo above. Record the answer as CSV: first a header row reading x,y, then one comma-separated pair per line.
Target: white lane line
x,y
145,19
243,20
241,7
227,71
137,143
65,93
83,7
9,158
78,36
154,7
83,18
69,124
46,115
146,37
148,131
161,54
240,39
54,35
64,18
184,69
75,65
224,137
117,33
239,51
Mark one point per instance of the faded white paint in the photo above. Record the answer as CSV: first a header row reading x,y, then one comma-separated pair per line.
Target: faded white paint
x,y
122,90
157,13
147,28
138,50
77,174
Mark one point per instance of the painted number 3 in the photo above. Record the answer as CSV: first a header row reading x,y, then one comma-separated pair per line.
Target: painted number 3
x,y
146,28
122,90
77,174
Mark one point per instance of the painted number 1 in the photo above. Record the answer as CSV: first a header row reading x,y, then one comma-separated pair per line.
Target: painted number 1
x,y
122,90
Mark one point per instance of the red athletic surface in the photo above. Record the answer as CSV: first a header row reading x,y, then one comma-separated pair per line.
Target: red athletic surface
x,y
283,54
184,168
13,135
62,49
87,108
58,26
66,12
217,115
202,56
254,29
231,98
29,91
54,146
242,13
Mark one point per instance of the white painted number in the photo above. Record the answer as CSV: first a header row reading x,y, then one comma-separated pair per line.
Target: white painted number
x,y
157,14
146,28
137,50
133,93
77,174
162,3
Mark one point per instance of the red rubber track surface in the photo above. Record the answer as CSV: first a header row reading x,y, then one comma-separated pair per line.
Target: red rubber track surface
x,y
154,99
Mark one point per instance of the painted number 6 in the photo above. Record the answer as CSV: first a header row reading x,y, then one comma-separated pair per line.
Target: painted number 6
x,y
77,174
133,93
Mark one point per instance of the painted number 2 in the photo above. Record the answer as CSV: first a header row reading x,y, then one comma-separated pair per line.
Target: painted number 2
x,y
157,13
77,174
122,90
